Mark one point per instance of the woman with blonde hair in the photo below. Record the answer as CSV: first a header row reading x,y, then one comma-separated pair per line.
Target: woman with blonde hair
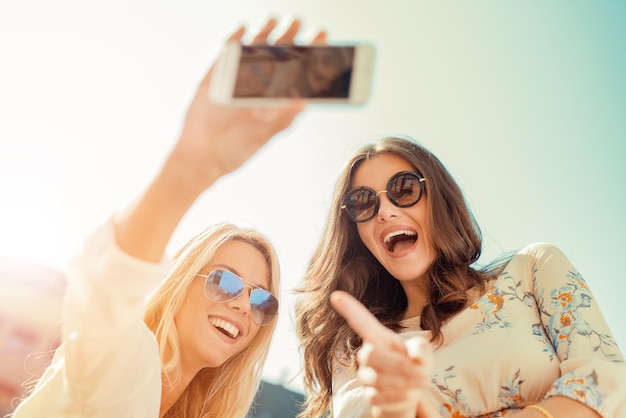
x,y
197,347
163,310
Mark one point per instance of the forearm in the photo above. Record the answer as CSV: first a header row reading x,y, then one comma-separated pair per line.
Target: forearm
x,y
556,407
423,409
386,413
144,228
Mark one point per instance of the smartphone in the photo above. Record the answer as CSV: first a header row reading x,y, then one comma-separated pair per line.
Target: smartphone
x,y
266,75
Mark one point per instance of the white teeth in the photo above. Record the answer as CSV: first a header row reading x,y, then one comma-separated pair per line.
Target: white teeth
x,y
230,328
390,235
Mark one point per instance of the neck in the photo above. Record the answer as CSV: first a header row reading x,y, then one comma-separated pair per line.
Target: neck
x,y
170,393
417,298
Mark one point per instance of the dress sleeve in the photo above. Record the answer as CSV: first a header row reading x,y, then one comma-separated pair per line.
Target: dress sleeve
x,y
592,367
108,363
104,337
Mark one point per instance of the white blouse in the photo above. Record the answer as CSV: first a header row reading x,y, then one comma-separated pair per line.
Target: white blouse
x,y
108,364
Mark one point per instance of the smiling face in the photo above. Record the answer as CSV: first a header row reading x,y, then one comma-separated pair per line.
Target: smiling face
x,y
322,68
254,77
398,237
212,332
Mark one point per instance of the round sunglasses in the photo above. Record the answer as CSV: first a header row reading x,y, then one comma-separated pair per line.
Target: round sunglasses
x,y
404,189
224,286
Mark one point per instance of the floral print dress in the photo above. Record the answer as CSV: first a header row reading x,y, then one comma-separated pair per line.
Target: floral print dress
x,y
536,332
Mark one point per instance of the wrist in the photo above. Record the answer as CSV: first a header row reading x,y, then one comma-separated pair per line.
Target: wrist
x,y
539,411
397,410
188,176
402,409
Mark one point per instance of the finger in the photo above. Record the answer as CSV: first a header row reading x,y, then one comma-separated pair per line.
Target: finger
x,y
395,382
391,361
391,400
206,81
382,357
382,381
290,34
395,401
320,39
410,378
419,350
261,36
367,376
369,393
359,318
234,37
237,35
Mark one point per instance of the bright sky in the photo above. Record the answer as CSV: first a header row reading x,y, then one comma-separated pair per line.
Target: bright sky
x,y
524,102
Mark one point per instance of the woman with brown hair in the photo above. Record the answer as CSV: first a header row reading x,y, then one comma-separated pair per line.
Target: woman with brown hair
x,y
396,319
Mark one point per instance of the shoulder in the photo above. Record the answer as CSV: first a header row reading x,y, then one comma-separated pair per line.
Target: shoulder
x,y
538,250
543,262
537,256
529,254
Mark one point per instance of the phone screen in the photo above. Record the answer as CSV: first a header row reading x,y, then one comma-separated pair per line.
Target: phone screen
x,y
294,71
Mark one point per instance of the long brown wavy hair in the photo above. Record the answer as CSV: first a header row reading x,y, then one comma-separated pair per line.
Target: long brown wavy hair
x,y
342,262
227,390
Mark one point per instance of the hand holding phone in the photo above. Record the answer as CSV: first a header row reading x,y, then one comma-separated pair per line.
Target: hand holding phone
x,y
266,75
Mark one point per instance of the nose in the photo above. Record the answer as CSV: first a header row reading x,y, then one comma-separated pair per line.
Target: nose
x,y
242,302
386,209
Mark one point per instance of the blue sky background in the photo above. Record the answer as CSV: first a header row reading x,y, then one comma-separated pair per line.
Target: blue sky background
x,y
525,102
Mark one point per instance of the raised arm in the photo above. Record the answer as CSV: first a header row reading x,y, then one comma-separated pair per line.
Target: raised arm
x,y
214,141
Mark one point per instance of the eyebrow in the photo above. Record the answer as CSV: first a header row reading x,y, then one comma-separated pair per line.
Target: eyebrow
x,y
234,270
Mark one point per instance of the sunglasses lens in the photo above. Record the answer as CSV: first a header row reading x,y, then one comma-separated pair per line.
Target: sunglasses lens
x,y
361,204
405,189
264,306
222,286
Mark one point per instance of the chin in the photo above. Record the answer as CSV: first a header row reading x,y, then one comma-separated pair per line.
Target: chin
x,y
416,271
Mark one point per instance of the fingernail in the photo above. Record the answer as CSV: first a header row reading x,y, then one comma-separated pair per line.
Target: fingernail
x,y
367,375
369,392
414,347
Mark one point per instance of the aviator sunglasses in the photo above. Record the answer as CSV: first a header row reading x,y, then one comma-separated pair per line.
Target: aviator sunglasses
x,y
224,286
404,189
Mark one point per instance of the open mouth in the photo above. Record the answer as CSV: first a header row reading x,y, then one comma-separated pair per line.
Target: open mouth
x,y
399,240
225,327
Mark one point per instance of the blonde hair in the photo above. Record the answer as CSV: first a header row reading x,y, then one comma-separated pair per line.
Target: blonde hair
x,y
228,390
